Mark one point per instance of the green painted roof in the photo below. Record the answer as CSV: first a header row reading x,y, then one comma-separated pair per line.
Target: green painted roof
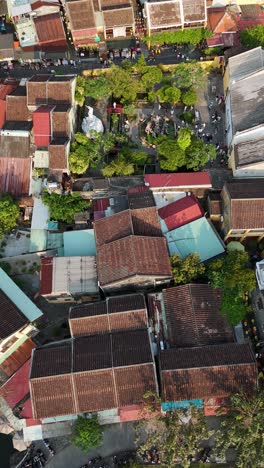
x,y
11,290
79,243
196,237
38,240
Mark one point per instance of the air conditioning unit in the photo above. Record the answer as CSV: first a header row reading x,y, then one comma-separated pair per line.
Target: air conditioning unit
x,y
112,201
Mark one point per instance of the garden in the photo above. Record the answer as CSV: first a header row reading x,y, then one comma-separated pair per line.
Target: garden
x,y
151,118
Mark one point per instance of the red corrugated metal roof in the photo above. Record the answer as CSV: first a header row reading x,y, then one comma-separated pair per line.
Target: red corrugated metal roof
x,y
42,126
2,113
179,179
50,29
17,387
101,204
27,410
46,275
181,212
15,175
7,88
139,188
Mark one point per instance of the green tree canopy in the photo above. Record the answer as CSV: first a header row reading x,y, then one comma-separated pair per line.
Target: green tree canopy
x,y
184,138
234,275
253,37
9,213
243,429
188,269
64,207
177,434
189,98
151,76
96,88
169,94
171,155
198,154
120,166
87,433
185,36
189,75
138,157
123,84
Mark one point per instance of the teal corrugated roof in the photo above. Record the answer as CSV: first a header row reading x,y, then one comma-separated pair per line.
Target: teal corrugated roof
x,y
79,243
196,237
38,240
27,307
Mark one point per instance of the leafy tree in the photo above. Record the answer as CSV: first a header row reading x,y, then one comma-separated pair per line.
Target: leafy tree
x,y
87,433
130,111
78,161
243,429
189,98
123,84
189,75
171,155
185,36
169,94
236,278
178,435
188,269
9,213
198,154
96,88
118,167
141,65
64,207
253,37
138,157
151,76
184,138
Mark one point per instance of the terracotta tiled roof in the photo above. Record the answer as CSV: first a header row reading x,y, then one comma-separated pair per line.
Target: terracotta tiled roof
x,y
57,156
193,316
47,89
141,222
105,4
116,314
81,14
11,318
120,17
50,28
60,121
106,371
214,16
162,14
247,204
16,108
13,362
133,255
46,275
144,199
208,371
181,212
194,10
215,203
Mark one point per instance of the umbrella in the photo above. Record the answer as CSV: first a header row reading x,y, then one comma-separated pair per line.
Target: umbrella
x,y
234,245
19,444
5,428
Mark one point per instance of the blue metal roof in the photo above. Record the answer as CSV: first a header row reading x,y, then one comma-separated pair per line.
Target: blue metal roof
x,y
199,237
79,243
174,405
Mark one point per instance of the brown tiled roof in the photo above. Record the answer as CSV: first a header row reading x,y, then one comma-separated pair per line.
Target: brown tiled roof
x,y
15,175
60,90
53,360
209,371
142,222
162,14
16,108
14,146
133,255
95,382
215,203
13,362
105,4
214,16
37,91
194,10
81,14
60,122
113,227
11,318
57,156
46,275
49,89
141,200
120,17
49,28
193,316
247,204
117,314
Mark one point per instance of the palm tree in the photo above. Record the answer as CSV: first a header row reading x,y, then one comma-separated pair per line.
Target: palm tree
x,y
243,429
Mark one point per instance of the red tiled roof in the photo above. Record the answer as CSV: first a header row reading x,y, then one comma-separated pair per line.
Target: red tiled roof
x,y
2,113
58,156
46,275
120,17
193,316
11,318
181,212
50,29
42,126
220,21
247,204
81,15
131,256
138,189
15,175
208,371
16,108
17,387
26,412
179,179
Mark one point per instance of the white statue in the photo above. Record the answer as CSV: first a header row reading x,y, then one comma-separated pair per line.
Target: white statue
x,y
91,123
